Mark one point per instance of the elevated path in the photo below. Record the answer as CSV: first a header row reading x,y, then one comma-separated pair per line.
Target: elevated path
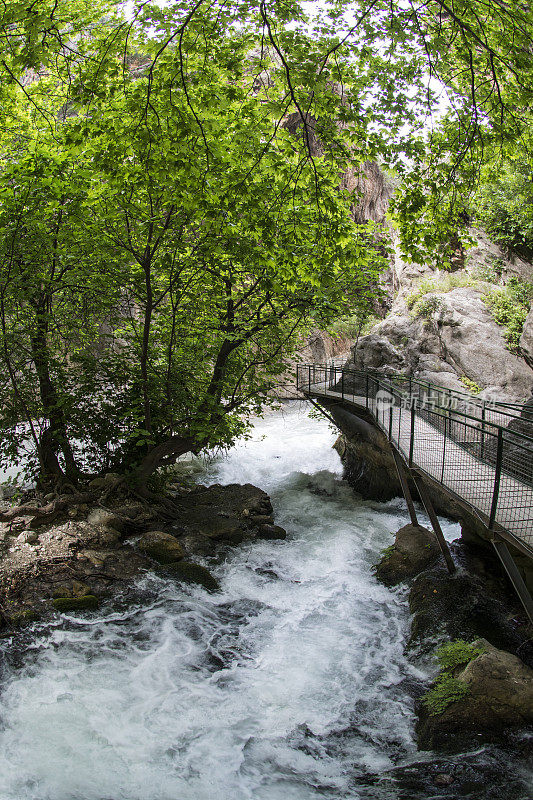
x,y
477,451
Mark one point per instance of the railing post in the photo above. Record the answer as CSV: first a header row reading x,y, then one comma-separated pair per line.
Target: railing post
x,y
309,379
497,477
342,384
390,420
444,449
366,390
412,435
482,453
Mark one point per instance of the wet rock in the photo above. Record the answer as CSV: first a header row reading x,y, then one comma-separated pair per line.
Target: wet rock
x,y
499,699
467,606
21,618
442,779
74,589
271,532
414,549
189,572
161,546
261,519
87,602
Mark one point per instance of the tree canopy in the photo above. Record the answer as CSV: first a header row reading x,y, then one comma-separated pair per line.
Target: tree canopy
x,y
172,214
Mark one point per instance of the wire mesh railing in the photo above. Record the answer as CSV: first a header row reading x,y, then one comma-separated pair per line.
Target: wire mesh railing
x,y
479,450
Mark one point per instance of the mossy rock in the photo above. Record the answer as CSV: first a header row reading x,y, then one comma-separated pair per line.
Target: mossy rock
x,y
267,531
414,549
189,572
161,546
87,602
21,618
74,589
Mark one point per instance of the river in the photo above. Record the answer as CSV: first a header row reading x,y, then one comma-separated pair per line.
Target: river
x,y
291,684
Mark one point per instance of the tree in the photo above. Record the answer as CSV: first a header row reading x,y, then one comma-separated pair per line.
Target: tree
x,y
200,234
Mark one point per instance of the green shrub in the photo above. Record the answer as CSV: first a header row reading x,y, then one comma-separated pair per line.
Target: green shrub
x,y
470,385
509,307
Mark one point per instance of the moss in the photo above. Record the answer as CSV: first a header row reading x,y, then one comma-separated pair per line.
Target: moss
x,y
445,692
447,689
89,601
21,618
456,654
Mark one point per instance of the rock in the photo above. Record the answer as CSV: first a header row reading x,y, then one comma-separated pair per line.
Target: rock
x,y
442,779
86,602
194,573
414,549
31,537
25,617
96,557
261,519
75,589
526,340
498,699
267,531
466,606
161,546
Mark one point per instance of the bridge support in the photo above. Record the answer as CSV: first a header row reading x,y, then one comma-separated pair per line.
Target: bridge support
x,y
428,505
514,576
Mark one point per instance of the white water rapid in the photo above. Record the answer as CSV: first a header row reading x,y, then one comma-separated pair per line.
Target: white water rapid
x,y
291,684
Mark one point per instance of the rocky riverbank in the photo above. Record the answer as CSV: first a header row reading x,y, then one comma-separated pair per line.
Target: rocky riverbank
x,y
484,690
98,542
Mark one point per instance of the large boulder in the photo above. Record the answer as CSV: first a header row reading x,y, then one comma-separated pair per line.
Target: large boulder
x,y
495,697
161,546
414,549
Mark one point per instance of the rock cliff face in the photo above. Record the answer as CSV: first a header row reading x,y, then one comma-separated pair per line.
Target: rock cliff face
x,y
440,328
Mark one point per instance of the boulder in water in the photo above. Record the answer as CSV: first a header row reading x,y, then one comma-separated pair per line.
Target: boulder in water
x,y
496,698
414,549
161,546
189,572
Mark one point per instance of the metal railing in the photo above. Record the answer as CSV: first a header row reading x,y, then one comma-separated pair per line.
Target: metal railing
x,y
480,451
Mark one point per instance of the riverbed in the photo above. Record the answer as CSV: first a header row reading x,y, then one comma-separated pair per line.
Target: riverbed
x,y
293,683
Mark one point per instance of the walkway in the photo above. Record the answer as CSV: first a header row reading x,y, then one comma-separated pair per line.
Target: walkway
x,y
483,463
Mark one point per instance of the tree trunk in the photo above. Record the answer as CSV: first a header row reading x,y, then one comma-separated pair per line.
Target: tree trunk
x,y
54,438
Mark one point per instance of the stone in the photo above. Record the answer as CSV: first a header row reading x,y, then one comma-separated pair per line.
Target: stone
x,y
414,549
261,519
442,779
499,700
189,572
31,537
161,546
75,589
267,531
526,340
87,602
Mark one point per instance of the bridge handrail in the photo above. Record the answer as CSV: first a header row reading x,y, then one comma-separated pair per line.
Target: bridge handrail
x,y
464,451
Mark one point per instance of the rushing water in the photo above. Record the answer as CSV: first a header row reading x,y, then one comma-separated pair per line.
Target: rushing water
x,y
291,684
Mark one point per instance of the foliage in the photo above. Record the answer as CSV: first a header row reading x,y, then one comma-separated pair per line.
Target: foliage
x,y
447,689
445,692
425,307
162,253
509,307
504,203
170,213
445,282
457,653
470,385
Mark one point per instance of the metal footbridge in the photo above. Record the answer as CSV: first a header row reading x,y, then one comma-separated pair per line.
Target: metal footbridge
x,y
480,452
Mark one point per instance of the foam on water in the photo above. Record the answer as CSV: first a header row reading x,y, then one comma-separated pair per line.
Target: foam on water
x,y
289,685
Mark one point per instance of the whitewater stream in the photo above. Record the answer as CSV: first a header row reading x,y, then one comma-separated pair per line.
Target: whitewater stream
x,y
291,684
